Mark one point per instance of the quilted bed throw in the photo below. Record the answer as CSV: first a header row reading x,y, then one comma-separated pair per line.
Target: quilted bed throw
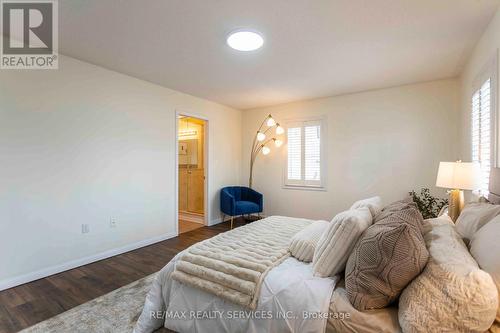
x,y
232,265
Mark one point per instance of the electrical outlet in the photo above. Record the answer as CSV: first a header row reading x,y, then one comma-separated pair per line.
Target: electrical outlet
x,y
113,222
85,228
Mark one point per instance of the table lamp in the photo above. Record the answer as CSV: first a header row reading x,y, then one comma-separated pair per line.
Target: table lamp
x,y
458,176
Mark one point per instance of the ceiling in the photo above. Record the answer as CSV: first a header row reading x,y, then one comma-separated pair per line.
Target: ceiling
x,y
313,48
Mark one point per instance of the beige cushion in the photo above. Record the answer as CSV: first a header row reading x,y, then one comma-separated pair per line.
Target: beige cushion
x,y
395,207
452,294
388,256
485,248
474,216
304,242
374,204
337,242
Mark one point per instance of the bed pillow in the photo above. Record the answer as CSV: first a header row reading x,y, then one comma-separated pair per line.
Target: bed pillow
x,y
452,290
386,258
394,207
374,204
485,248
304,242
474,216
337,242
374,321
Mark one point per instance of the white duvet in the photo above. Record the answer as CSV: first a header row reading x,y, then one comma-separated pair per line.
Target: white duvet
x,y
291,300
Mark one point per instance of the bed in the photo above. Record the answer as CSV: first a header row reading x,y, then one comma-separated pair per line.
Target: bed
x,y
323,298
291,299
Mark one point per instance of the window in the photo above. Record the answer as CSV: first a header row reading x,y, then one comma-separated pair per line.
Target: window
x,y
304,167
482,133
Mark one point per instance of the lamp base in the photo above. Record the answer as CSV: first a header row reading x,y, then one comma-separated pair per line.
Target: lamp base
x,y
455,203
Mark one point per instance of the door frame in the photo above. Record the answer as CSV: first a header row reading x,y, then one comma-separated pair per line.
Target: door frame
x,y
206,166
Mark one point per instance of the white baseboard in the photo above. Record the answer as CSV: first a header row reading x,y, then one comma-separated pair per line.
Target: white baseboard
x,y
25,278
215,221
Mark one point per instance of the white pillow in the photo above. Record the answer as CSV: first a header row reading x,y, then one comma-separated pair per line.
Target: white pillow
x,y
374,204
474,216
336,244
485,248
452,294
304,242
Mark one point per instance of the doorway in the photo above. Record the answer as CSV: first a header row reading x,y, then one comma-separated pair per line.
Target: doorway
x,y
191,141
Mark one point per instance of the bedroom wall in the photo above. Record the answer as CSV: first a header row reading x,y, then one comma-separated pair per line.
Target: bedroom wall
x,y
83,144
383,142
486,49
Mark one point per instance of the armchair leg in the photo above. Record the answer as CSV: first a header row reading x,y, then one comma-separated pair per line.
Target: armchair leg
x,y
223,217
232,218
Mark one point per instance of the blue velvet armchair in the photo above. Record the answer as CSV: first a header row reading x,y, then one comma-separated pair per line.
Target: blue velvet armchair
x,y
240,200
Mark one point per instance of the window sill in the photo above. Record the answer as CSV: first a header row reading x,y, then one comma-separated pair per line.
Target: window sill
x,y
304,188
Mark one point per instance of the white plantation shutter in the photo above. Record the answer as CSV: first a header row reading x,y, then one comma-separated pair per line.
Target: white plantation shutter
x,y
304,161
295,153
312,153
481,132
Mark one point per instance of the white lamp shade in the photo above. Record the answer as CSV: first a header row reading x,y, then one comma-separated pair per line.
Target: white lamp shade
x,y
459,175
266,150
261,136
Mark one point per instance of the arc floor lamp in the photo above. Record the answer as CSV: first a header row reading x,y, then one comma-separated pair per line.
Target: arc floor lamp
x,y
260,144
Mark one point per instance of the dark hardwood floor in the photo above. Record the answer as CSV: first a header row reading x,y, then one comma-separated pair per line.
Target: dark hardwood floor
x,y
33,302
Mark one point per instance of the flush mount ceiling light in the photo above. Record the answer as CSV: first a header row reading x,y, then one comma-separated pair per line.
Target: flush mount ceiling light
x,y
245,40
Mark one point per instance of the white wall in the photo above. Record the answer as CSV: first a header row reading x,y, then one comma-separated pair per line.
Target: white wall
x,y
81,144
384,142
483,53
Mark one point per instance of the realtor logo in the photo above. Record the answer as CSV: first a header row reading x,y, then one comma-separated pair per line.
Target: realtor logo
x,y
29,39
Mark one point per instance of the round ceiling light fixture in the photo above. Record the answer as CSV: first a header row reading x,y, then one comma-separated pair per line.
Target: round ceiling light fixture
x,y
245,40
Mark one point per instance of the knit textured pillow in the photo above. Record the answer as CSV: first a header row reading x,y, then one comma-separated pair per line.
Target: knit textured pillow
x,y
303,243
386,258
394,207
337,242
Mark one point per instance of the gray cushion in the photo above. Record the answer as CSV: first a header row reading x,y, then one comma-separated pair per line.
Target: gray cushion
x,y
473,217
386,258
485,248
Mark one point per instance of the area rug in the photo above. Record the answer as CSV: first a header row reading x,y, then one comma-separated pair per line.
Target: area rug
x,y
117,311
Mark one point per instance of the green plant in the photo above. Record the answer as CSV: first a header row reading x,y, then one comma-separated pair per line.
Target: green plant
x,y
429,205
